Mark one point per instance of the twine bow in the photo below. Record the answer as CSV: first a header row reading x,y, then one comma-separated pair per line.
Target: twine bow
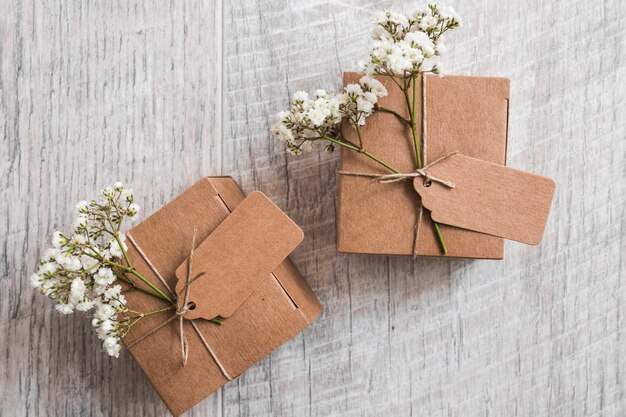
x,y
391,178
181,309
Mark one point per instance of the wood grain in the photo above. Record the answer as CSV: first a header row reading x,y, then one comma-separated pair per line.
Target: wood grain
x,y
158,94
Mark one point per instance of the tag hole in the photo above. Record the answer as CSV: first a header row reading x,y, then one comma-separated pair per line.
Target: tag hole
x,y
191,305
427,183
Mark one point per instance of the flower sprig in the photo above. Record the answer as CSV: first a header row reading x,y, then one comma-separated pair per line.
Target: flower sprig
x,y
316,118
403,47
81,270
403,44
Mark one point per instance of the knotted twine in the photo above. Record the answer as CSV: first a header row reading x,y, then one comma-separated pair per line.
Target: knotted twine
x,y
181,308
420,172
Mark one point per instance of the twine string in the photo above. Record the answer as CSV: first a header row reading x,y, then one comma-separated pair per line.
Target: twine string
x,y
181,309
391,178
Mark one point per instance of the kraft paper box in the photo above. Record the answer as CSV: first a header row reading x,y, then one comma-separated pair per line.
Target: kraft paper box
x,y
461,113
263,303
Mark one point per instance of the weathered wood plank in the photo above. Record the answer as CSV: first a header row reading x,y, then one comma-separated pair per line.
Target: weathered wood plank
x,y
92,93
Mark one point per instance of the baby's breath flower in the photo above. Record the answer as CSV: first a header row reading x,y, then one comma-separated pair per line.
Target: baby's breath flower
x,y
112,346
104,311
428,21
36,280
104,276
69,262
79,270
354,90
88,262
58,240
402,44
374,86
300,96
127,195
85,305
47,268
82,207
313,119
77,291
133,210
114,246
65,308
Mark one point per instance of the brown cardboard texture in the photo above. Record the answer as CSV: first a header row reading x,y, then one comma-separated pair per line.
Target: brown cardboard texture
x,y
237,256
488,198
464,114
270,310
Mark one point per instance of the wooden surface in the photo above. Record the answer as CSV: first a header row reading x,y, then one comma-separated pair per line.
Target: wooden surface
x,y
158,94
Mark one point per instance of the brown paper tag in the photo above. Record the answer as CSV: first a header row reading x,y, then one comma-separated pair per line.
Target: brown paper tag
x,y
488,198
242,251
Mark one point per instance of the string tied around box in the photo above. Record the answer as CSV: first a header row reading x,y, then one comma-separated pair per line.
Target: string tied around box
x,y
181,309
391,178
420,172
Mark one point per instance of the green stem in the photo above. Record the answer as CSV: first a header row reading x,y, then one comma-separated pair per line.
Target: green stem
x,y
416,146
150,313
395,81
358,132
135,287
442,243
354,147
411,108
158,293
135,319
395,113
140,316
116,235
133,284
136,273
373,158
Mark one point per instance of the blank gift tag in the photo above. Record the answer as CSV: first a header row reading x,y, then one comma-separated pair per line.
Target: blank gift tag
x,y
488,198
242,251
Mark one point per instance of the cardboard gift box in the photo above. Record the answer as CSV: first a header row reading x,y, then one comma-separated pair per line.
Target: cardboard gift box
x,y
246,279
454,113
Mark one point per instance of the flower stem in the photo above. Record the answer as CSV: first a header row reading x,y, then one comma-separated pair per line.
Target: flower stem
x,y
150,313
442,243
132,270
411,108
116,235
160,293
358,132
157,292
354,147
395,113
135,287
416,146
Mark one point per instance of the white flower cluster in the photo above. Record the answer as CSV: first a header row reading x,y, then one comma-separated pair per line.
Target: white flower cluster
x,y
319,117
79,270
402,43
